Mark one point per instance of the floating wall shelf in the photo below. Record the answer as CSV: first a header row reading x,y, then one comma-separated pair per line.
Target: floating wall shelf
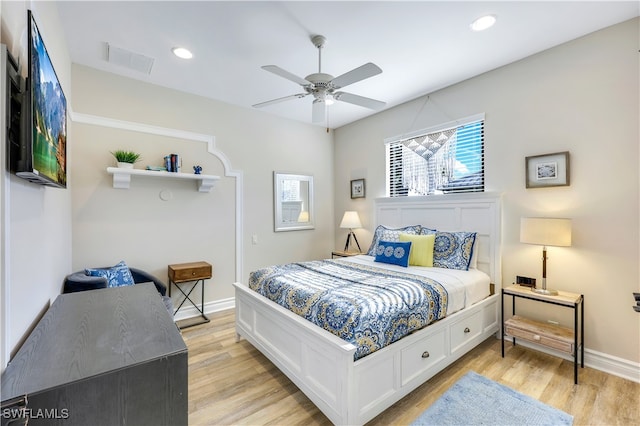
x,y
122,177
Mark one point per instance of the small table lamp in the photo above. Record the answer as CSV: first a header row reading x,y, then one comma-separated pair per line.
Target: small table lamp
x,y
545,231
351,220
303,216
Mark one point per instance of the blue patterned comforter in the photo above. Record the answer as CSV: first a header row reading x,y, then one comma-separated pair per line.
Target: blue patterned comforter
x,y
366,306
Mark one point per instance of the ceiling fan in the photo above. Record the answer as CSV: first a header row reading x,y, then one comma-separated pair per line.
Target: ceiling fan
x,y
324,87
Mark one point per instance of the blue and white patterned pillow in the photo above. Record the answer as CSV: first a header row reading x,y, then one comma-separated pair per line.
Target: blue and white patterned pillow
x,y
427,231
453,250
117,276
396,253
390,234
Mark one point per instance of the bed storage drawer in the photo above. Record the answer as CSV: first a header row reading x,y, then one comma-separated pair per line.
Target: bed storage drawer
x,y
422,355
466,330
549,335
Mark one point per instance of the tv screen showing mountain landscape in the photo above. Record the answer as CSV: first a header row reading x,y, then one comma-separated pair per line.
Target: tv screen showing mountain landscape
x,y
49,114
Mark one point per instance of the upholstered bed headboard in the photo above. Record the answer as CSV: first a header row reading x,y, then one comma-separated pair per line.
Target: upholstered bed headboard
x,y
475,212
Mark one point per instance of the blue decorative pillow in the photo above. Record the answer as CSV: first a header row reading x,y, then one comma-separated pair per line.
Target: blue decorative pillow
x,y
390,234
396,253
117,276
453,250
427,231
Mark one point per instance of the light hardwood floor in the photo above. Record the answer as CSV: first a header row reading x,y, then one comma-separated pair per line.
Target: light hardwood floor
x,y
233,384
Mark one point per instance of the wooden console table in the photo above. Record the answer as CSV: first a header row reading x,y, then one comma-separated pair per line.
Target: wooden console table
x,y
564,339
195,272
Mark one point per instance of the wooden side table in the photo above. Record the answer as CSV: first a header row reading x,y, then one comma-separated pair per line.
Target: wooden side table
x,y
550,335
195,272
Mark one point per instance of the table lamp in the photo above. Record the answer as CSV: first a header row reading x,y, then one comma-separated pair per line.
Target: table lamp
x,y
351,220
303,216
545,231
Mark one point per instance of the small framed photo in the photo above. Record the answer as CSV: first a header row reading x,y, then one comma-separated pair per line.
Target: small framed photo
x,y
547,170
357,188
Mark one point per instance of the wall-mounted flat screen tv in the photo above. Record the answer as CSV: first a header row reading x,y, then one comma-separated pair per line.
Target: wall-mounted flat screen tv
x,y
43,151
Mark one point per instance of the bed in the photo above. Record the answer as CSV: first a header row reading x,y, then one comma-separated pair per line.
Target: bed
x,y
352,387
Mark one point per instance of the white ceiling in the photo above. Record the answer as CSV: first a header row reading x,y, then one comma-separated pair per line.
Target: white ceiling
x,y
421,46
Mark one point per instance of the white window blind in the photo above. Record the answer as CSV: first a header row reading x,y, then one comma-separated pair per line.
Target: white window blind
x,y
290,190
446,159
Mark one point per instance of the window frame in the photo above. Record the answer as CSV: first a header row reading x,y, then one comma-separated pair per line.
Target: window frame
x,y
454,124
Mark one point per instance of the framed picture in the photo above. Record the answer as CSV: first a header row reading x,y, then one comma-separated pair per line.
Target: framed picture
x,y
547,170
357,188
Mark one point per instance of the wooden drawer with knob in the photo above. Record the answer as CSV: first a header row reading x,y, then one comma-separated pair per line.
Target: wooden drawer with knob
x,y
465,330
191,271
422,355
549,335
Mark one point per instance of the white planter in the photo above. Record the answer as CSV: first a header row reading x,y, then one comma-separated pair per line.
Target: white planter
x,y
125,165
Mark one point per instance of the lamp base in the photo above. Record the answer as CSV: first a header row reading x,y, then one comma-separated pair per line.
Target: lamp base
x,y
346,246
545,291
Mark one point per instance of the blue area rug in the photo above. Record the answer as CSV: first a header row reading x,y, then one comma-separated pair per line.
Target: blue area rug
x,y
476,400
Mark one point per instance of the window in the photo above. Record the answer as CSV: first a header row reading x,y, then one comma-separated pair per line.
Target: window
x,y
444,159
290,190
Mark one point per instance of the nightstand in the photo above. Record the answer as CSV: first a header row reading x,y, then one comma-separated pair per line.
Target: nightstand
x,y
335,254
553,336
195,272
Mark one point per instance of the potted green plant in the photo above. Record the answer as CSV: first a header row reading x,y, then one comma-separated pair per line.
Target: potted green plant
x,y
125,159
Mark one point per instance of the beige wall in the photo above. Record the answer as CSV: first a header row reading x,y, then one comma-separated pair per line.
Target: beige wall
x,y
580,97
137,226
36,220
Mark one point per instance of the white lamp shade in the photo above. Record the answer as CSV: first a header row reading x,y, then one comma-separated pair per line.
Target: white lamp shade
x,y
545,231
350,220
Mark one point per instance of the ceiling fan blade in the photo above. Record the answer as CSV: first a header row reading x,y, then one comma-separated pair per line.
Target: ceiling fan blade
x,y
364,71
286,74
275,101
319,111
359,100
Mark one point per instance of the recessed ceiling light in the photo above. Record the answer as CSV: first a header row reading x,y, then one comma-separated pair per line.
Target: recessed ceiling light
x,y
181,52
483,23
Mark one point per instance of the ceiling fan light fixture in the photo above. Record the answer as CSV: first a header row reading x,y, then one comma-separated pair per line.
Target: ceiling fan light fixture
x,y
483,23
323,86
182,53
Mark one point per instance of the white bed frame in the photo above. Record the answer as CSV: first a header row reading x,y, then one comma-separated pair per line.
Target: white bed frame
x,y
321,364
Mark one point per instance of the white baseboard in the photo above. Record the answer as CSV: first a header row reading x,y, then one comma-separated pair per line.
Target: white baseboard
x,y
593,359
209,307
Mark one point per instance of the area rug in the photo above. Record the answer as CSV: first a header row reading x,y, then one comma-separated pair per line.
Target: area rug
x,y
476,400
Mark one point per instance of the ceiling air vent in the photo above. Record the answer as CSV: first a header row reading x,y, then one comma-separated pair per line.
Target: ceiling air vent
x,y
128,59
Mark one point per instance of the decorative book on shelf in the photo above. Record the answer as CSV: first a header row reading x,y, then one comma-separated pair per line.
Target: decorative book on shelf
x,y
122,177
